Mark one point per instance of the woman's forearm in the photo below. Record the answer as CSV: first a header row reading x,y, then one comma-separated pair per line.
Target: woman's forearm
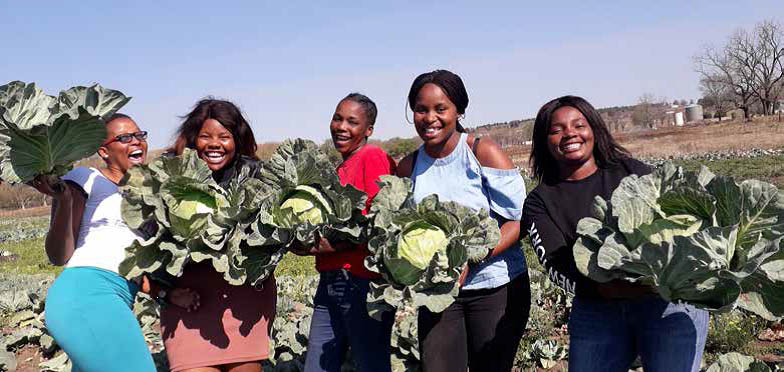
x,y
63,227
510,234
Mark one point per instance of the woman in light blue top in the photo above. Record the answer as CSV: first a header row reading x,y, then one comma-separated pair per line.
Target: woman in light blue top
x,y
483,327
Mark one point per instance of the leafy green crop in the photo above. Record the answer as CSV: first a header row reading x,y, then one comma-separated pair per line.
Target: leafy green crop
x,y
306,197
45,135
693,236
420,249
736,362
193,219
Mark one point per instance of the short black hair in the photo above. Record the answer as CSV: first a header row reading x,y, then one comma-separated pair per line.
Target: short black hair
x,y
606,151
117,116
367,105
449,82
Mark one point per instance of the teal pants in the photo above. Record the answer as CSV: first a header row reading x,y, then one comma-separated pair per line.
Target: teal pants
x,y
88,312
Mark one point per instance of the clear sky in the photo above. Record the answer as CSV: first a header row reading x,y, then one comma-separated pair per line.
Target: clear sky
x,y
288,63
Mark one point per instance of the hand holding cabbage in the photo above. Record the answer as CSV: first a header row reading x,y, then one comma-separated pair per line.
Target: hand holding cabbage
x,y
421,249
693,236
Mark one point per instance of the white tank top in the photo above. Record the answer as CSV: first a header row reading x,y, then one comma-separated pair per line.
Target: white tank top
x,y
103,236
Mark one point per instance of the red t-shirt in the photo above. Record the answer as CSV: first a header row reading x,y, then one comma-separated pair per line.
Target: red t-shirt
x,y
360,170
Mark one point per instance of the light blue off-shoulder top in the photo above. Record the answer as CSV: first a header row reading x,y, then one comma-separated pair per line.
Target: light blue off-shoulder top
x,y
460,178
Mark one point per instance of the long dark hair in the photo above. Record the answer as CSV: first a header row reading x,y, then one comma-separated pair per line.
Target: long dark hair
x,y
606,151
227,114
450,83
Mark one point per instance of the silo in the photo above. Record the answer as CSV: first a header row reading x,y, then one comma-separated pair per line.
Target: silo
x,y
693,113
679,119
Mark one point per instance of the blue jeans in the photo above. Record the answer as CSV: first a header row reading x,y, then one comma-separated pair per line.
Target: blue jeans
x,y
609,335
341,321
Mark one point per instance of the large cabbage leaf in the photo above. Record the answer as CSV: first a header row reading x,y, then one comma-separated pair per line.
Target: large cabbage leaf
x,y
693,236
420,249
307,197
193,219
45,135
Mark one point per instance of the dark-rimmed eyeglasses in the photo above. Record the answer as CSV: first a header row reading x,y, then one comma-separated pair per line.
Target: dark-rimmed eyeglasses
x,y
128,137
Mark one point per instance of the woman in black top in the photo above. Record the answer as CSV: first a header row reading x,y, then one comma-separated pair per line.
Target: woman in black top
x,y
575,159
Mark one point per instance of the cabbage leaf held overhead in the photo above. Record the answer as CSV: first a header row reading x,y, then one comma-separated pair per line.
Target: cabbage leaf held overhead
x,y
46,135
693,236
421,249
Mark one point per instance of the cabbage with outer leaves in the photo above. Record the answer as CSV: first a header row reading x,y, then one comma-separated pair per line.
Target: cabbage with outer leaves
x,y
193,219
307,197
693,236
421,248
46,135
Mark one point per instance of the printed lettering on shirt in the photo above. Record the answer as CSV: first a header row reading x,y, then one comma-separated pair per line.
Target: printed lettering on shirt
x,y
557,278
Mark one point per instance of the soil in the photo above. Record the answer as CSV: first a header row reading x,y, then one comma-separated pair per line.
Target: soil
x,y
28,358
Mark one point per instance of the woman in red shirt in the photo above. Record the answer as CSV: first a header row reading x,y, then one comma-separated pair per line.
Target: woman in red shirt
x,y
340,318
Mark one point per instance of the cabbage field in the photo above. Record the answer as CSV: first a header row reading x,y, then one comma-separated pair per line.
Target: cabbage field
x,y
737,340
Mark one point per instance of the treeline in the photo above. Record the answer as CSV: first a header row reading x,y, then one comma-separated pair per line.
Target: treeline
x,y
745,73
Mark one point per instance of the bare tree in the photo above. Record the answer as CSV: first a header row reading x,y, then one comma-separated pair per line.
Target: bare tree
x,y
759,56
721,66
769,64
751,65
649,111
716,95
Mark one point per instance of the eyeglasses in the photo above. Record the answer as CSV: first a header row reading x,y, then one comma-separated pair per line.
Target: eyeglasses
x,y
128,137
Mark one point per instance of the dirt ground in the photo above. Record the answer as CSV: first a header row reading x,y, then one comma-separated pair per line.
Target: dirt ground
x,y
29,212
699,138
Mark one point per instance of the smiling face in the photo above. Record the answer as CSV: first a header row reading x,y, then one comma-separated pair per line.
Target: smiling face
x,y
570,138
349,127
435,116
215,144
121,156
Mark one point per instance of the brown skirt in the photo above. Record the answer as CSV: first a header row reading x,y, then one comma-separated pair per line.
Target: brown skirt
x,y
232,324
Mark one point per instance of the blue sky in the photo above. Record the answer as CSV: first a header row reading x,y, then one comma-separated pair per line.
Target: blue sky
x,y
287,64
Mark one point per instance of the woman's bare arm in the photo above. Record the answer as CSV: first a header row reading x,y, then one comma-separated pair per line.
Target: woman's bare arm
x,y
67,208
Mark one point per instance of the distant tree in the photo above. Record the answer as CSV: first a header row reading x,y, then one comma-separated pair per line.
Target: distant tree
x,y
20,197
399,147
716,96
648,112
750,64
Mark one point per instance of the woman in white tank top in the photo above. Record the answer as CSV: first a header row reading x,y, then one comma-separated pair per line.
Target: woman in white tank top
x,y
88,307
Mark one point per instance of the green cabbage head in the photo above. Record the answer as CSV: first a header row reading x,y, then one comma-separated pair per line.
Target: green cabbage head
x,y
417,245
189,204
420,249
306,197
307,204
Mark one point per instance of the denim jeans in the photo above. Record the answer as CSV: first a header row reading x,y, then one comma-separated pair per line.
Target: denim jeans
x,y
609,335
341,321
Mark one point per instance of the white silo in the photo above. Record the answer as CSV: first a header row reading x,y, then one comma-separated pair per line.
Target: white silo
x,y
694,113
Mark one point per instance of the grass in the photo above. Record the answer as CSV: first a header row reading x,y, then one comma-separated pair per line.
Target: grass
x,y
765,168
31,258
294,265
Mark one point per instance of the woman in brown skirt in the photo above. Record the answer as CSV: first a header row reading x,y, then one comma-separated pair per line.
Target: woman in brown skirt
x,y
230,329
